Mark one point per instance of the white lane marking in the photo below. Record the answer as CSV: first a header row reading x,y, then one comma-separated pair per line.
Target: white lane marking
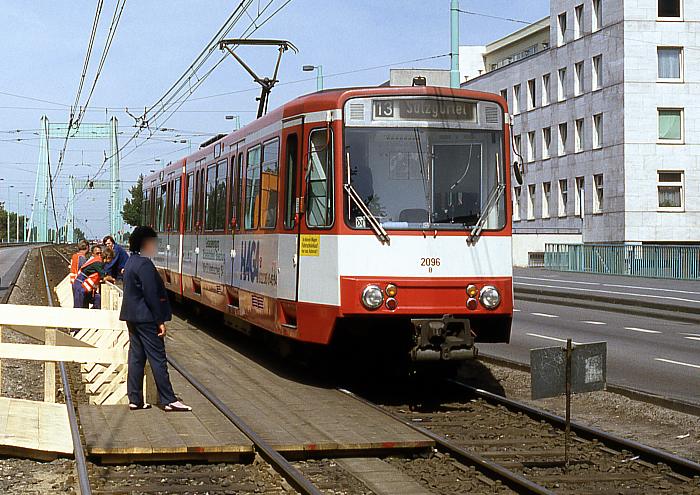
x,y
613,292
690,334
547,337
619,286
670,361
590,322
692,338
545,315
516,310
642,330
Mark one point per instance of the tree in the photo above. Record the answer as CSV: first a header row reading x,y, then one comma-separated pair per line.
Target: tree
x,y
131,213
78,234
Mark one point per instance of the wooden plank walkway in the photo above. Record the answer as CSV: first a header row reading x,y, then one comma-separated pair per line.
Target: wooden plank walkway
x,y
38,430
382,478
295,418
116,435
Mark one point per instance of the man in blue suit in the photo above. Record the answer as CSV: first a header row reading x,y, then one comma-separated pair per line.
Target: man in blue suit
x,y
145,308
115,267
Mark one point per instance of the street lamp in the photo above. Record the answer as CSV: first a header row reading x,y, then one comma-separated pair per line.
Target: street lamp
x,y
319,74
237,118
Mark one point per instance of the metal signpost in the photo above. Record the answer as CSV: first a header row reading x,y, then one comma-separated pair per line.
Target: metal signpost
x,y
569,370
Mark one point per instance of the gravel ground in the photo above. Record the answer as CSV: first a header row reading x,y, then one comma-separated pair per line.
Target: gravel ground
x,y
646,423
331,478
442,474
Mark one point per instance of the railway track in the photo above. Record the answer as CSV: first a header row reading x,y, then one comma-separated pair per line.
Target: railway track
x,y
523,446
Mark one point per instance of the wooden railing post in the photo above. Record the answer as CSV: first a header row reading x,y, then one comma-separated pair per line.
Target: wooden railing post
x,y
50,368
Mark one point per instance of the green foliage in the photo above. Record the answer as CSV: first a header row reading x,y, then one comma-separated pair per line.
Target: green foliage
x,y
78,234
131,213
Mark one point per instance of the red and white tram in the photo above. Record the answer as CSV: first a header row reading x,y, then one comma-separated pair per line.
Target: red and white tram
x,y
371,212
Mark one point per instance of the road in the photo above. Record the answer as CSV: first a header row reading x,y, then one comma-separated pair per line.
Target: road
x,y
648,354
11,259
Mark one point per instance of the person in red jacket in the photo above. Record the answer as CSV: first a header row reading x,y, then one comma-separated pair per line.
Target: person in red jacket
x,y
76,262
86,288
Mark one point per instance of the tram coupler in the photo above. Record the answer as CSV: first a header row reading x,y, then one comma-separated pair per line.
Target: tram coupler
x,y
444,339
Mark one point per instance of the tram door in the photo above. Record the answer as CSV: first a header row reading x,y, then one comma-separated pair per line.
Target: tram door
x,y
288,246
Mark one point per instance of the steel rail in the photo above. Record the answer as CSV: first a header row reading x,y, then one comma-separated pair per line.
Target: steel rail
x,y
78,451
511,479
295,477
678,464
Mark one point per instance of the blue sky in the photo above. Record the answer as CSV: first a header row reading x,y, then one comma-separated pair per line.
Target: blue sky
x,y
44,46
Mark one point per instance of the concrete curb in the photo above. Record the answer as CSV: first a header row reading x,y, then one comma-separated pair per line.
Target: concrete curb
x,y
636,395
638,307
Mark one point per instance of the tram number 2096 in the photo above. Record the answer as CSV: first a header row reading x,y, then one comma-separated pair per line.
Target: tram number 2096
x,y
430,262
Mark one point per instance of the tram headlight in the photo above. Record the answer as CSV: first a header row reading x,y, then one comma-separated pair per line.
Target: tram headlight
x,y
490,297
372,297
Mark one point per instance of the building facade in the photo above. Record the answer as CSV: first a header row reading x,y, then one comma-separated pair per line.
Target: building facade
x,y
606,121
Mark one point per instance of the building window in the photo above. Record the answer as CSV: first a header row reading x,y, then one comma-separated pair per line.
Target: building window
x,y
597,17
546,197
670,9
531,94
563,197
597,73
578,79
578,21
671,125
516,203
516,99
531,146
504,95
598,131
561,84
579,209
578,144
546,142
561,29
563,135
545,90
670,63
518,146
598,196
670,187
531,202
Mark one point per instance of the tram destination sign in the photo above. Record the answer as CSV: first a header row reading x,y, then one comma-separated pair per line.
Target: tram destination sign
x,y
424,109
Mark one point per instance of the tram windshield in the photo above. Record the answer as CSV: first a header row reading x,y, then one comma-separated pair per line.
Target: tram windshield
x,y
424,178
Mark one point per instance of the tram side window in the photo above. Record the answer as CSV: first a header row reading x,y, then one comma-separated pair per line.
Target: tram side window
x,y
320,179
252,188
189,205
290,192
161,208
220,196
169,208
210,211
270,181
202,197
239,191
146,208
175,226
233,189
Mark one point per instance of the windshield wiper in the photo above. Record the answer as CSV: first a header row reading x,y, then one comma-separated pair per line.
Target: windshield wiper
x,y
493,200
369,216
374,224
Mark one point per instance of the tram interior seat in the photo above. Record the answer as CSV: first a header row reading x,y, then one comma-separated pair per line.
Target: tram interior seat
x,y
413,215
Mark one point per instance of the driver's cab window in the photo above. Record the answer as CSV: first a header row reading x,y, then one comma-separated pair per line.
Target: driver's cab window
x,y
320,179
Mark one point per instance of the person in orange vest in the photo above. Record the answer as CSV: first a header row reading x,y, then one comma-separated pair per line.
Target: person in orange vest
x,y
76,262
87,283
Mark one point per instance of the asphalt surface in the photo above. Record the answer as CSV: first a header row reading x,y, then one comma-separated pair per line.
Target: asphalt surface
x,y
652,355
11,259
